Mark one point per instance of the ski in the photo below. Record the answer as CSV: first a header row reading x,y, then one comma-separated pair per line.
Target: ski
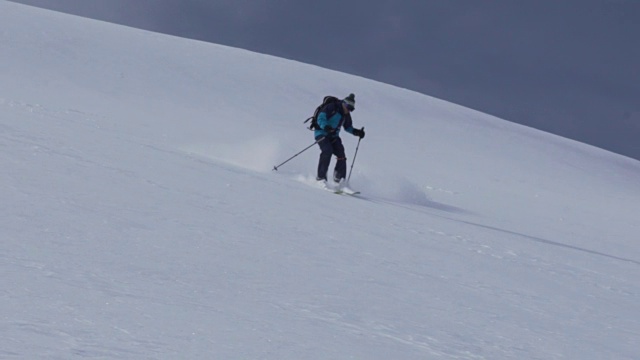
x,y
350,193
345,191
337,189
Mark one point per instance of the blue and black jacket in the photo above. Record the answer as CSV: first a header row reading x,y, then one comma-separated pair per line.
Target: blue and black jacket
x,y
335,116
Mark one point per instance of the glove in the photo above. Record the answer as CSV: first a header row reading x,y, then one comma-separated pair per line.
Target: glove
x,y
359,133
329,129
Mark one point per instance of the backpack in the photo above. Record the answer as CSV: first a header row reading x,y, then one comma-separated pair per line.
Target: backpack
x,y
314,119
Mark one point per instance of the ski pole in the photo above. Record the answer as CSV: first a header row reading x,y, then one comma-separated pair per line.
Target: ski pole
x,y
354,159
275,168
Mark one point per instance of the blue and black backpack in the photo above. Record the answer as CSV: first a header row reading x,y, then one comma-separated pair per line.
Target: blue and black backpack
x,y
314,119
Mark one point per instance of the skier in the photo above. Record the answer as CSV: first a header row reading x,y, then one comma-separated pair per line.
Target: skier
x,y
330,119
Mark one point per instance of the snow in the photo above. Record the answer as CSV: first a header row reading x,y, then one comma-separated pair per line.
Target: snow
x,y
140,218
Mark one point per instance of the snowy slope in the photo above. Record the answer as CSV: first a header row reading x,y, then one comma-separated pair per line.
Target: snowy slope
x,y
140,218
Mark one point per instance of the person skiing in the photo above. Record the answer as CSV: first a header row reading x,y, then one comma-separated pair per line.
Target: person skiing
x,y
331,118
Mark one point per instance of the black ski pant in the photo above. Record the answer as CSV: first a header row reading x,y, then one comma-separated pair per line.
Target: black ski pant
x,y
332,146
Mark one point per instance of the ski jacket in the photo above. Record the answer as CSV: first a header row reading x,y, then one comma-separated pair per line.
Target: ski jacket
x,y
333,115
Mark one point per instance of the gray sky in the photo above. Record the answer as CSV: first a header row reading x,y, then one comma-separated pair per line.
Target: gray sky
x,y
570,67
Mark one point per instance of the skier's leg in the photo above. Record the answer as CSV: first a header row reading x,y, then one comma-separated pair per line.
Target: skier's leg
x,y
325,159
340,170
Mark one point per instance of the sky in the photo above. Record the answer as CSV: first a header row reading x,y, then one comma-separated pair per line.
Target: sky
x,y
140,217
567,67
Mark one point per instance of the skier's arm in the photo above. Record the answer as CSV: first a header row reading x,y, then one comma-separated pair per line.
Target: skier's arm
x,y
348,124
322,120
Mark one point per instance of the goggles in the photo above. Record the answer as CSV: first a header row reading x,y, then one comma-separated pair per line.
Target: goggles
x,y
350,107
